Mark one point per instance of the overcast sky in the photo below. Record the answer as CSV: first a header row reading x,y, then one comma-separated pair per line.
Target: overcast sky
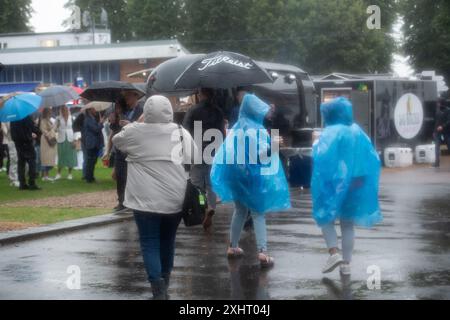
x,y
49,15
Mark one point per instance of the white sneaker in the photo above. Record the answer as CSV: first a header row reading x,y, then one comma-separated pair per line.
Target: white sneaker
x,y
345,269
15,184
332,263
69,177
58,177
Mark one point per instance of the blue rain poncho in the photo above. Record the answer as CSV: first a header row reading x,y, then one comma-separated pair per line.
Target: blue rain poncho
x,y
346,170
244,170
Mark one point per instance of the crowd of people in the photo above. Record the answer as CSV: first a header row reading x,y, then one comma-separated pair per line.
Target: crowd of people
x,y
39,143
152,182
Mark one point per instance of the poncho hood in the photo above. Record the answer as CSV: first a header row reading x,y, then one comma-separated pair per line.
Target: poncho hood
x,y
337,111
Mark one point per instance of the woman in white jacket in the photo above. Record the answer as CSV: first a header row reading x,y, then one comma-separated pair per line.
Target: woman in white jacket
x,y
156,185
67,154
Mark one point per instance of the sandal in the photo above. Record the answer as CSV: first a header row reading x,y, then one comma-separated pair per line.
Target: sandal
x,y
235,252
265,260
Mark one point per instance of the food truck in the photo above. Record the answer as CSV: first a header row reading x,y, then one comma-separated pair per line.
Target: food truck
x,y
394,112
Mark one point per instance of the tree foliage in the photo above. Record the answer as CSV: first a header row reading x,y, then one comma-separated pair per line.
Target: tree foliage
x,y
15,15
155,19
319,35
427,34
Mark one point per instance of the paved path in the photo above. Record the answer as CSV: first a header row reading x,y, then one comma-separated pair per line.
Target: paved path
x,y
411,249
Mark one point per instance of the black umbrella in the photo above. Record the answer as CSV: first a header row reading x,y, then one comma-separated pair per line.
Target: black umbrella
x,y
222,70
162,79
109,91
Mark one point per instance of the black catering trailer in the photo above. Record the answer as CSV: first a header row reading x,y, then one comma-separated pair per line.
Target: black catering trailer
x,y
394,112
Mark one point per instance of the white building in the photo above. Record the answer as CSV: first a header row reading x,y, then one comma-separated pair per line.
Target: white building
x,y
53,39
60,58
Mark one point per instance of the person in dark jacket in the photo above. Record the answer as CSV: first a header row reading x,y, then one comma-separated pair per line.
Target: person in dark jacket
x,y
93,140
22,133
78,127
442,127
131,111
210,117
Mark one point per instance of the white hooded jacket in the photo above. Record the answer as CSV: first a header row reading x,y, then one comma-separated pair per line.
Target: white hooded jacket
x,y
156,180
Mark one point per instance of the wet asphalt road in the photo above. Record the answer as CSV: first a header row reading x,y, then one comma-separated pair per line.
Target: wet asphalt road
x,y
411,248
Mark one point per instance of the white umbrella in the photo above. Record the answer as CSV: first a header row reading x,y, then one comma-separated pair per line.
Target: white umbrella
x,y
57,96
97,105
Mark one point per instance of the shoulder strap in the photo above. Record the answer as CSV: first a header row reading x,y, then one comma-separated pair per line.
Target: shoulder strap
x,y
181,138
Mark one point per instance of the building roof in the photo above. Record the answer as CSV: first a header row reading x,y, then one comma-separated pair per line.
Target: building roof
x,y
348,77
90,53
280,67
28,34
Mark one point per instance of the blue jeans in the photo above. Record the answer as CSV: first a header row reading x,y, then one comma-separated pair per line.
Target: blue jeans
x,y
157,234
348,236
237,224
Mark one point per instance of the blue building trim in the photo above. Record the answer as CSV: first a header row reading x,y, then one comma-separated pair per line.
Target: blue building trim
x,y
61,73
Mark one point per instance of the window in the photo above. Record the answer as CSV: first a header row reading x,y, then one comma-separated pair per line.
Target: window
x,y
49,43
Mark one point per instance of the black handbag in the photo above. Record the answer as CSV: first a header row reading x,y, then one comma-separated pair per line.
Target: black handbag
x,y
195,204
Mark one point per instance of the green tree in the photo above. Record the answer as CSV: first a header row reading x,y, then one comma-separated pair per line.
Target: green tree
x,y
320,35
333,36
15,15
117,11
155,19
212,25
427,34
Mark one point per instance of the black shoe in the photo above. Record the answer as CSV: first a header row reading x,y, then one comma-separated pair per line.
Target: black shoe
x,y
34,188
120,208
166,278
159,290
24,187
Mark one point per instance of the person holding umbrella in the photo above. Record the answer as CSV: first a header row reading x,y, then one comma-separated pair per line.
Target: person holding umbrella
x,y
93,139
130,111
23,132
17,110
210,117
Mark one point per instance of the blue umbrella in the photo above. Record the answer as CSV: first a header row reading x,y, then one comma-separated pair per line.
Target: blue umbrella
x,y
19,107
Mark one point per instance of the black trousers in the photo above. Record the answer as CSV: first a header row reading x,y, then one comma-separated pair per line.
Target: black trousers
x,y
92,156
26,155
120,166
4,153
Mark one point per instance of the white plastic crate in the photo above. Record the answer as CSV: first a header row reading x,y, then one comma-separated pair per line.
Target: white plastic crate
x,y
398,157
426,154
